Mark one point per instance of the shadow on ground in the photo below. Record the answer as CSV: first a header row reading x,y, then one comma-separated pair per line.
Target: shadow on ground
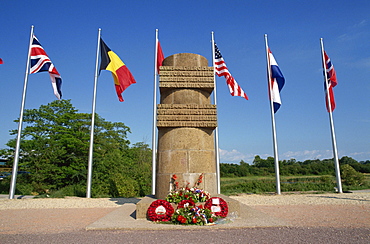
x,y
121,200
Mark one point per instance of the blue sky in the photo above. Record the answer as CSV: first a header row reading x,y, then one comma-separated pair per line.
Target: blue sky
x,y
68,32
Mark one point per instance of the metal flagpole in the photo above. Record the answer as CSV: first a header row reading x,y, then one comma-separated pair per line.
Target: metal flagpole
x,y
17,147
334,143
91,149
276,155
216,130
154,126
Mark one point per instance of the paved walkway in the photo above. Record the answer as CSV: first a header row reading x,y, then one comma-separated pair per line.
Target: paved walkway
x,y
122,216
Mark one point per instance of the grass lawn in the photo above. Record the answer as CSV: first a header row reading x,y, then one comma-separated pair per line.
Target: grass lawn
x,y
265,184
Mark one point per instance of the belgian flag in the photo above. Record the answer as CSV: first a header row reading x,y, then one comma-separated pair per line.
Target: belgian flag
x,y
121,74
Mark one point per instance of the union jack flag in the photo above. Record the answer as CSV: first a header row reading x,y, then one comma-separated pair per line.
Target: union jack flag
x,y
222,70
40,62
332,82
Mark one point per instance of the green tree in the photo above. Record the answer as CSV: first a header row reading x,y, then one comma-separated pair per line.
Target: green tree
x,y
350,176
358,166
244,169
53,145
54,148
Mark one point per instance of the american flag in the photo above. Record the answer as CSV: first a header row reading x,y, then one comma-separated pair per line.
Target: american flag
x,y
222,70
40,62
332,82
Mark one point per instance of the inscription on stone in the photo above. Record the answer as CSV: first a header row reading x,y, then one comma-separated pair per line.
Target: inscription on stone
x,y
187,73
188,77
187,124
182,68
186,115
185,85
186,106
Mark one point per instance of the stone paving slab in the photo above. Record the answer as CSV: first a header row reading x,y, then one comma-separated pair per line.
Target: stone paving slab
x,y
124,218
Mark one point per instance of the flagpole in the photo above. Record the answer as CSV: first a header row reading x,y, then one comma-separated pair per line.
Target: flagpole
x,y
333,139
276,155
216,130
154,125
17,147
91,149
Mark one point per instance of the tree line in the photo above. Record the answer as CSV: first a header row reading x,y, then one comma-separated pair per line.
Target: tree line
x,y
265,167
54,154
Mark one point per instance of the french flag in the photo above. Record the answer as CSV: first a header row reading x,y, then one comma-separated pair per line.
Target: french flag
x,y
277,82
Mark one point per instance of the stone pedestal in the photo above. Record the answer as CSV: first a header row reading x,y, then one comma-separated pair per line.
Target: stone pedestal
x,y
186,120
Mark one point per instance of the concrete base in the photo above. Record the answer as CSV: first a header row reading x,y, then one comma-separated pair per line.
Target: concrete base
x,y
125,218
143,205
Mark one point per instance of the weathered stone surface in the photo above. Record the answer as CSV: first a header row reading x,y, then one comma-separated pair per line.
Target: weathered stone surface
x,y
185,68
186,120
185,139
188,75
184,95
185,60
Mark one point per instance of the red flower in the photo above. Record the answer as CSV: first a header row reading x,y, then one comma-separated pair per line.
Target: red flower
x,y
210,220
181,219
174,177
194,220
183,202
200,179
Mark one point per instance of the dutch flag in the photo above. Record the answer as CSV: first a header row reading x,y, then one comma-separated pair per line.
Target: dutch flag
x,y
277,82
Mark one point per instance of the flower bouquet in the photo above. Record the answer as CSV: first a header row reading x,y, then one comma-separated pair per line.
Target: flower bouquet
x,y
187,211
193,215
186,193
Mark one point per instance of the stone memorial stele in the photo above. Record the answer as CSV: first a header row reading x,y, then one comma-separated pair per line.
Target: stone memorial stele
x,y
186,121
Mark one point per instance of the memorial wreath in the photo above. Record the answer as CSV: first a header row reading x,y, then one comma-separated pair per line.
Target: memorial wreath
x,y
187,211
218,206
160,210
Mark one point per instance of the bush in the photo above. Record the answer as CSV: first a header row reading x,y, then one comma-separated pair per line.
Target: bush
x,y
350,176
123,186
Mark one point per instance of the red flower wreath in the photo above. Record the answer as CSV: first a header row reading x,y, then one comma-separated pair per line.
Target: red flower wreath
x,y
186,201
160,210
221,209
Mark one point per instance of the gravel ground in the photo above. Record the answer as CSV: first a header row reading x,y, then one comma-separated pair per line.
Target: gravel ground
x,y
48,215
357,198
313,218
68,202
347,210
